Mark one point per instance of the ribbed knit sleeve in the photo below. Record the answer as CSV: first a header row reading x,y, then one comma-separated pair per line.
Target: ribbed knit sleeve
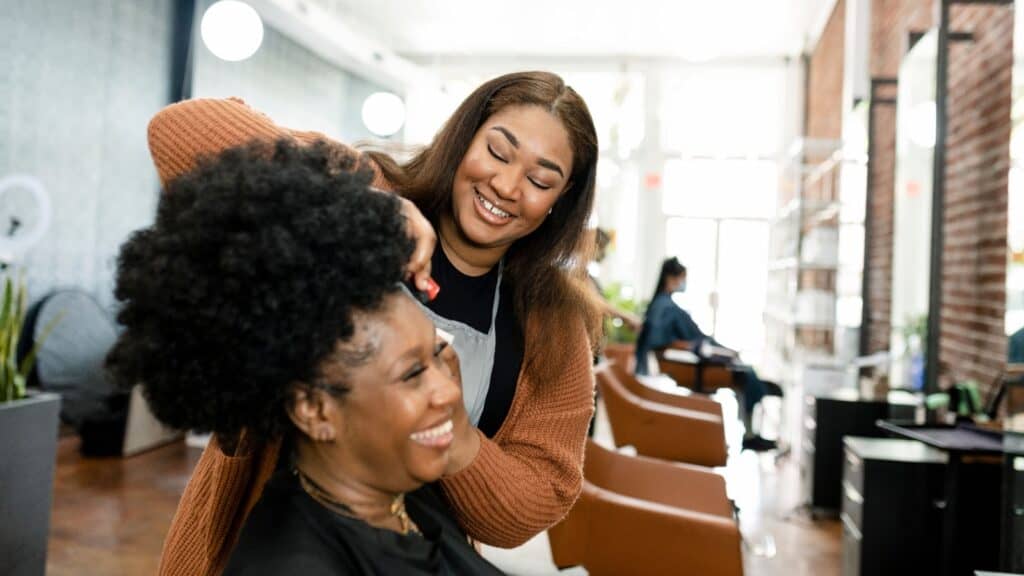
x,y
529,476
180,133
218,498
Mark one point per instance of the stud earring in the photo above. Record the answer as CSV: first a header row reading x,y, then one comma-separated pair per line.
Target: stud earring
x,y
550,210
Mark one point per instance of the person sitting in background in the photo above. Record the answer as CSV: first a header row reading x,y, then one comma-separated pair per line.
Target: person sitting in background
x,y
1015,353
267,297
665,324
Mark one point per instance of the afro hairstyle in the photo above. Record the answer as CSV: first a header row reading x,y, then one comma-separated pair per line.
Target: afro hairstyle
x,y
248,279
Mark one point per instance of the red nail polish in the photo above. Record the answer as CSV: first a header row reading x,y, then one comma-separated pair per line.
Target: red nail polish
x,y
432,288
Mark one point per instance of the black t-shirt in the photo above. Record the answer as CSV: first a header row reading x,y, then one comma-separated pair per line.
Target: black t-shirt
x,y
470,300
288,532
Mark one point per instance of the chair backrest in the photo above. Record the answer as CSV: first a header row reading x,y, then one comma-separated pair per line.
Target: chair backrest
x,y
696,488
660,430
712,376
622,354
697,402
619,402
615,529
70,361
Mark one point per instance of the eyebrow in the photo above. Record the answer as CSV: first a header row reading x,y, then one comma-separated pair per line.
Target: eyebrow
x,y
413,351
543,162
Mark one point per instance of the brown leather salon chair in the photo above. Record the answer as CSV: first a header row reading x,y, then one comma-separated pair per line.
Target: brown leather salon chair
x,y
660,430
622,354
639,515
689,401
698,376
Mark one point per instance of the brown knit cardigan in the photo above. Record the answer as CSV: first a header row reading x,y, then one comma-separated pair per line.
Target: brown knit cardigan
x,y
522,481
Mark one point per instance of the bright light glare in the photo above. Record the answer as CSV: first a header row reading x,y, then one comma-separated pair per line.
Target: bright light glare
x,y
383,113
232,30
922,124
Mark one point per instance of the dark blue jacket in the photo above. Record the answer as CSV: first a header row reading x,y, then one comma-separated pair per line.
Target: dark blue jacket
x,y
665,323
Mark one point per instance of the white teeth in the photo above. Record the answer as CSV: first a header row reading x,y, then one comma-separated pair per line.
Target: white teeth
x,y
435,432
492,208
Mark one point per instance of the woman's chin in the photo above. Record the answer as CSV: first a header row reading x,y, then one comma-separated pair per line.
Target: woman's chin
x,y
427,471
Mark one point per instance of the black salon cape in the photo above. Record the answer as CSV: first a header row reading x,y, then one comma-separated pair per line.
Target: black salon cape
x,y
290,533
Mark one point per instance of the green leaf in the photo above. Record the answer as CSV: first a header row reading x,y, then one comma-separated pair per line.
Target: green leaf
x,y
30,359
8,389
12,318
19,386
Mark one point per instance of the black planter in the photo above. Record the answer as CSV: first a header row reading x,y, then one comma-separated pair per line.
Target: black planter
x,y
28,455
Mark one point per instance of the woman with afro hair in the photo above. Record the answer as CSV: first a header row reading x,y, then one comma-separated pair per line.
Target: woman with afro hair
x,y
497,205
267,297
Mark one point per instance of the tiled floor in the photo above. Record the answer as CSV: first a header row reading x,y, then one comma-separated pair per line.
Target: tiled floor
x,y
110,516
780,539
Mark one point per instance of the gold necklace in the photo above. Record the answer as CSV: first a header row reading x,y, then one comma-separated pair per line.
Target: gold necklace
x,y
317,493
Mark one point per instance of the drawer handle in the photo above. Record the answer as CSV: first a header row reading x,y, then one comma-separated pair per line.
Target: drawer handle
x,y
848,524
853,461
852,493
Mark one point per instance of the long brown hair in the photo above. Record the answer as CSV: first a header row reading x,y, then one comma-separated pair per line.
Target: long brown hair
x,y
546,269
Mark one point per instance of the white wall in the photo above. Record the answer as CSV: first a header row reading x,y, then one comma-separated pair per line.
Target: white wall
x,y
78,84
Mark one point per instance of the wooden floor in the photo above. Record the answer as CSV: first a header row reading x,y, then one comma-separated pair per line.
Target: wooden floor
x,y
110,515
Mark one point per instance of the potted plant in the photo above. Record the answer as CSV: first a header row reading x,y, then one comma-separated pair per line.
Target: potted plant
x,y
616,331
915,334
28,446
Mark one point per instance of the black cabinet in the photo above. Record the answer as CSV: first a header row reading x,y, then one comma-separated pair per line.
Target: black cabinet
x,y
891,494
827,419
1012,545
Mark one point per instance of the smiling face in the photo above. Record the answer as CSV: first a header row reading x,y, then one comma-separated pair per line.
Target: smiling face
x,y
516,167
394,423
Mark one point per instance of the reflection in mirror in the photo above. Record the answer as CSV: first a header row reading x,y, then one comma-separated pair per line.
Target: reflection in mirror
x,y
1015,204
915,143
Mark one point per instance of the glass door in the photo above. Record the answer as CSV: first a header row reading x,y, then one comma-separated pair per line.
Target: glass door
x,y
726,261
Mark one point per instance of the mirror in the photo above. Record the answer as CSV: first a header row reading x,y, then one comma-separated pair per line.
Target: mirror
x,y
912,209
1015,204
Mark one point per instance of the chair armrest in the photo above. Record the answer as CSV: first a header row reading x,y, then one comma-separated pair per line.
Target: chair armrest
x,y
631,536
673,484
689,402
670,433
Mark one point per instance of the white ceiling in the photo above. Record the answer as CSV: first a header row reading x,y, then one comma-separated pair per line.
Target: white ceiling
x,y
694,30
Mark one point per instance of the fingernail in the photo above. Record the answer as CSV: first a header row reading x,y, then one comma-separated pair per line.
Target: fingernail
x,y
432,288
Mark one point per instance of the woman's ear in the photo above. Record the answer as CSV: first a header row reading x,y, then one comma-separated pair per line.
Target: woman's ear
x,y
314,413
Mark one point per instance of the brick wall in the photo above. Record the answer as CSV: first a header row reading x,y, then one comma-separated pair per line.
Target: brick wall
x,y
973,341
825,79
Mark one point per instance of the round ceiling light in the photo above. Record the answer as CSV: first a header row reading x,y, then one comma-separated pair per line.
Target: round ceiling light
x,y
232,30
383,113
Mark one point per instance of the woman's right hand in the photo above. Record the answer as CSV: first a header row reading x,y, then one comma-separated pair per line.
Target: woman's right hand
x,y
420,230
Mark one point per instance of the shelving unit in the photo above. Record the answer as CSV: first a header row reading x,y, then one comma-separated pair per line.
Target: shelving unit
x,y
813,285
800,313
